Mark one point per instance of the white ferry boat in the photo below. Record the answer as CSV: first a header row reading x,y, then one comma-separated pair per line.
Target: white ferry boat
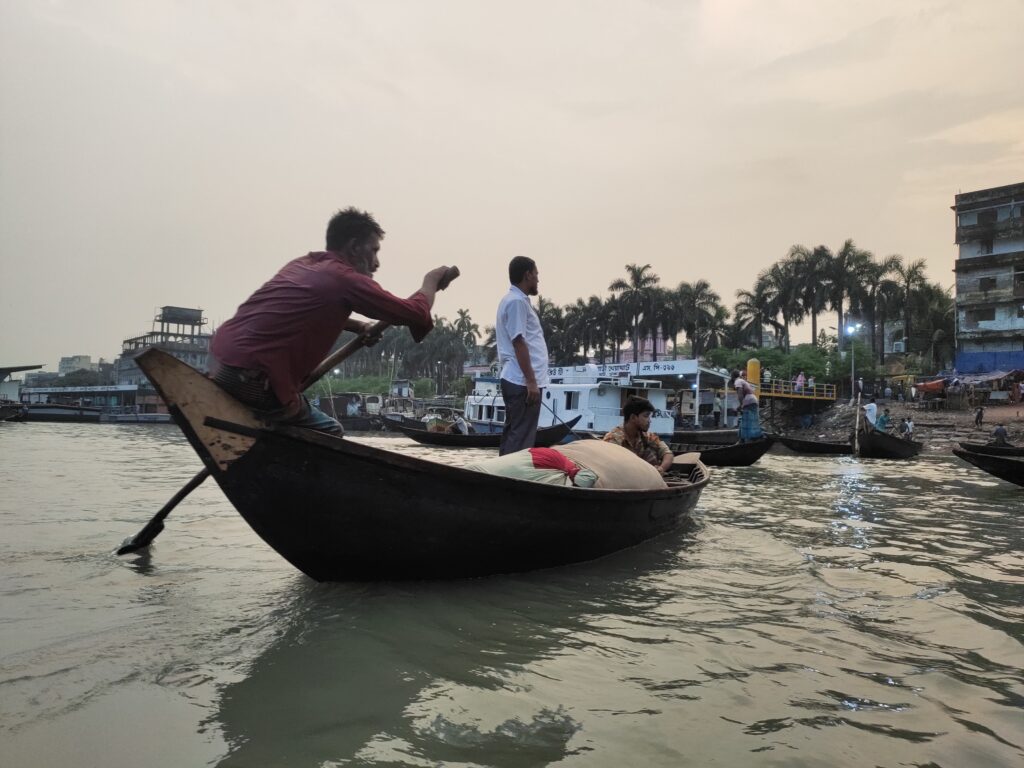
x,y
594,392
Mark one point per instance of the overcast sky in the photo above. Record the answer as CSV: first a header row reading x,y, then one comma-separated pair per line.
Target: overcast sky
x,y
156,152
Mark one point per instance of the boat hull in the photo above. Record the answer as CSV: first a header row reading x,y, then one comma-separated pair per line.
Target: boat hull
x,y
347,512
735,455
1007,468
993,450
816,447
873,444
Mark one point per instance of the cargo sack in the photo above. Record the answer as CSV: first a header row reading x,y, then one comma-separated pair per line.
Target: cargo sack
x,y
538,465
616,467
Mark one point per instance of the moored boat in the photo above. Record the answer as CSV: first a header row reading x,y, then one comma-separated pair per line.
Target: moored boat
x,y
546,436
735,455
1009,468
874,444
337,509
993,449
815,447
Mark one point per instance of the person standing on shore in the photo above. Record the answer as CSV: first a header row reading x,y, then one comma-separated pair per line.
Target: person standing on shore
x,y
523,356
750,419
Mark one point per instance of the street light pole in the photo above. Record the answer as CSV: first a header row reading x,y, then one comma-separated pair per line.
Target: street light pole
x,y
850,330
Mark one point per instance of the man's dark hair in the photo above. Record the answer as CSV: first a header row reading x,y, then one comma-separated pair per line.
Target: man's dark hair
x,y
351,224
518,267
636,406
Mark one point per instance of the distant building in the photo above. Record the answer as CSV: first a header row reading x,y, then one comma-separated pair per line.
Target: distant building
x,y
990,279
177,331
76,363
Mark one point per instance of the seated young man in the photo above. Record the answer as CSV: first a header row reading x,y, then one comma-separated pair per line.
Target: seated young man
x,y
634,435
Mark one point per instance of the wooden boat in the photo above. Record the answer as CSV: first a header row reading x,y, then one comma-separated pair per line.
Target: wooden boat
x,y
9,410
992,449
706,436
337,509
546,436
1009,468
735,455
82,414
816,447
873,444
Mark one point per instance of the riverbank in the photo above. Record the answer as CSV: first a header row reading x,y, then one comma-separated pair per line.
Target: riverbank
x,y
938,430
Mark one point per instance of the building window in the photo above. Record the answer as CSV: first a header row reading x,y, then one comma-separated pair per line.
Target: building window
x,y
987,217
1020,310
981,315
984,246
987,283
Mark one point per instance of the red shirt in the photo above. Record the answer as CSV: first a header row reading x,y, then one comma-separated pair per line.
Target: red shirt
x,y
290,324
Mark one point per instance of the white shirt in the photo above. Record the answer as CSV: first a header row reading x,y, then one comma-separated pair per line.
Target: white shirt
x,y
517,318
870,412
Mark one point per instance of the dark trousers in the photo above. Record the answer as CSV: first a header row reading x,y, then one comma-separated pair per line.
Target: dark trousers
x,y
521,419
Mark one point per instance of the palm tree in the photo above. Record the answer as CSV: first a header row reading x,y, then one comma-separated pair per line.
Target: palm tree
x,y
697,305
779,285
842,271
552,323
874,279
888,303
911,277
752,312
812,275
935,313
466,328
634,295
715,331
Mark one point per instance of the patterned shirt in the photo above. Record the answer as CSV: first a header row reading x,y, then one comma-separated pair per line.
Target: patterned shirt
x,y
648,447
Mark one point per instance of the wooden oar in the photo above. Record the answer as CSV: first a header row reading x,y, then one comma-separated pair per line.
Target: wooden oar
x,y
152,529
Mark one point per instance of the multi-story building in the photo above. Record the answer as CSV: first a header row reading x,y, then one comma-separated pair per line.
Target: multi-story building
x,y
76,363
990,279
177,331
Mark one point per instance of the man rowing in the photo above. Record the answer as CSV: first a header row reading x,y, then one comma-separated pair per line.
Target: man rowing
x,y
635,436
281,333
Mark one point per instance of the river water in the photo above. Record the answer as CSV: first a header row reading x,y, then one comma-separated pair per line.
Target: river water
x,y
822,612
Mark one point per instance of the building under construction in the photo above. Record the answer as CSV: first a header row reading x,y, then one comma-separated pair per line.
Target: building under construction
x,y
177,331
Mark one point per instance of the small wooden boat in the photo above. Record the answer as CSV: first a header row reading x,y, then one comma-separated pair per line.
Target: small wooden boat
x,y
9,410
874,444
546,436
1009,468
993,449
706,436
816,447
338,509
735,455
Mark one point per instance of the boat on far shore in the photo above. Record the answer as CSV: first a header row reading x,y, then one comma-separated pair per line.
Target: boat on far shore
x,y
993,449
815,447
874,444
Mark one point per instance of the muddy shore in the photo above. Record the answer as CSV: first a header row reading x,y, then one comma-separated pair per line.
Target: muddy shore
x,y
939,430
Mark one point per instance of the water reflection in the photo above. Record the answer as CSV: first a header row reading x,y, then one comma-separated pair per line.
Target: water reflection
x,y
370,672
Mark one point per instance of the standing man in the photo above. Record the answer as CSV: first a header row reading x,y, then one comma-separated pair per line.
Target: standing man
x,y
523,356
634,435
282,332
870,412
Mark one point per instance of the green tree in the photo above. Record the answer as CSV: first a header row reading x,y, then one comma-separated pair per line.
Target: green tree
x,y
634,294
